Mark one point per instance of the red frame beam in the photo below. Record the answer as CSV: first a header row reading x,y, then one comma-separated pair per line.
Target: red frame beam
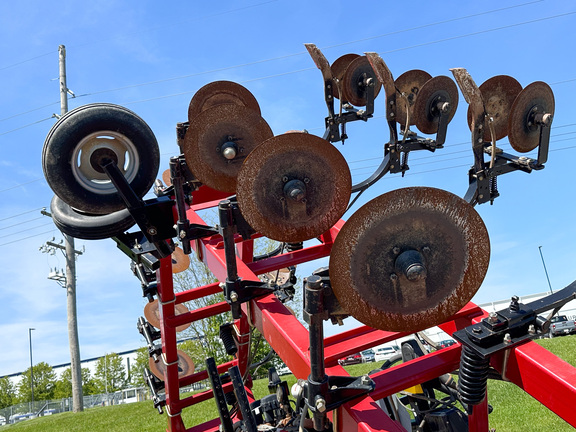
x,y
531,367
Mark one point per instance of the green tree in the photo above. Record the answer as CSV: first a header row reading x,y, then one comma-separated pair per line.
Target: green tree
x,y
206,333
110,373
7,393
7,397
136,376
63,388
44,380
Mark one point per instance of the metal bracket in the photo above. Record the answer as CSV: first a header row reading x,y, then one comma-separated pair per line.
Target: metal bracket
x,y
510,327
156,386
151,335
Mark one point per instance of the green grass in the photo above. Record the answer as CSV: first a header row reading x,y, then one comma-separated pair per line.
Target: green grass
x,y
514,410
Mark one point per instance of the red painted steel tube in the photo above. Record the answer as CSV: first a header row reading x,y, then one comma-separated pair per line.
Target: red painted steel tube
x,y
167,301
544,376
197,314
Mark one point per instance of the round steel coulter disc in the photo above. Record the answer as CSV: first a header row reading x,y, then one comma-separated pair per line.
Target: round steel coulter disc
x,y
409,84
339,69
180,261
152,314
409,259
221,92
209,134
498,94
294,187
536,98
353,89
185,366
436,90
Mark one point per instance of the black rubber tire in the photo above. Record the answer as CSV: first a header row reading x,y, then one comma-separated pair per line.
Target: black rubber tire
x,y
89,227
73,182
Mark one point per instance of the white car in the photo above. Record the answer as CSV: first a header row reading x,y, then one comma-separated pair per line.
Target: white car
x,y
384,353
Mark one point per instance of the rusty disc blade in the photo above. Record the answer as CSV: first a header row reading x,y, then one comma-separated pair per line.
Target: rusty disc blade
x,y
208,136
523,133
185,366
180,261
152,314
294,187
436,91
353,87
166,178
408,85
221,92
339,68
498,94
409,259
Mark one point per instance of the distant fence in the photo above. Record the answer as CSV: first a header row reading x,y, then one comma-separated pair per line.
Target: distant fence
x,y
27,410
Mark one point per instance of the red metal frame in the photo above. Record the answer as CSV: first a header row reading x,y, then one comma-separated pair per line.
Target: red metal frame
x,y
541,374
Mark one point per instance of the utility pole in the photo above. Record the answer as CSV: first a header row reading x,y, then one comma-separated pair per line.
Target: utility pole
x,y
31,368
75,365
545,271
70,255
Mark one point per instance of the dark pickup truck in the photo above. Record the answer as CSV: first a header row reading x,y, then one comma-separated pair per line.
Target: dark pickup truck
x,y
561,325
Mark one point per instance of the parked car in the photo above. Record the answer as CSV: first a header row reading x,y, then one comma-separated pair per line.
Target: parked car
x,y
350,359
446,343
561,325
384,353
368,356
283,370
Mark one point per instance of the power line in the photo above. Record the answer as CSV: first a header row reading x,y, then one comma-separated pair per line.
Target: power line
x,y
20,214
25,126
27,229
28,112
305,52
26,61
20,223
25,238
20,185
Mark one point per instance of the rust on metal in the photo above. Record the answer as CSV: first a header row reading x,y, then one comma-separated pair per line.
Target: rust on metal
x,y
205,143
221,92
409,259
319,60
166,178
408,86
498,95
180,261
387,80
339,69
185,366
355,81
294,187
152,314
433,94
535,101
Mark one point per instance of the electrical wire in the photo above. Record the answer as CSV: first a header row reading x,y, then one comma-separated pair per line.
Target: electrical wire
x,y
29,237
25,126
305,52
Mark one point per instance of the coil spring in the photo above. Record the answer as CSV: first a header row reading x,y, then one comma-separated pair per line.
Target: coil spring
x,y
473,376
292,247
227,337
493,187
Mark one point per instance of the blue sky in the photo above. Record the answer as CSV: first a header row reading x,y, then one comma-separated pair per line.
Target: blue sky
x,y
152,57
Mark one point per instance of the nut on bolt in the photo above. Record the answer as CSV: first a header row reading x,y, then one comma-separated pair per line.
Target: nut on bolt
x,y
365,380
234,296
320,404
